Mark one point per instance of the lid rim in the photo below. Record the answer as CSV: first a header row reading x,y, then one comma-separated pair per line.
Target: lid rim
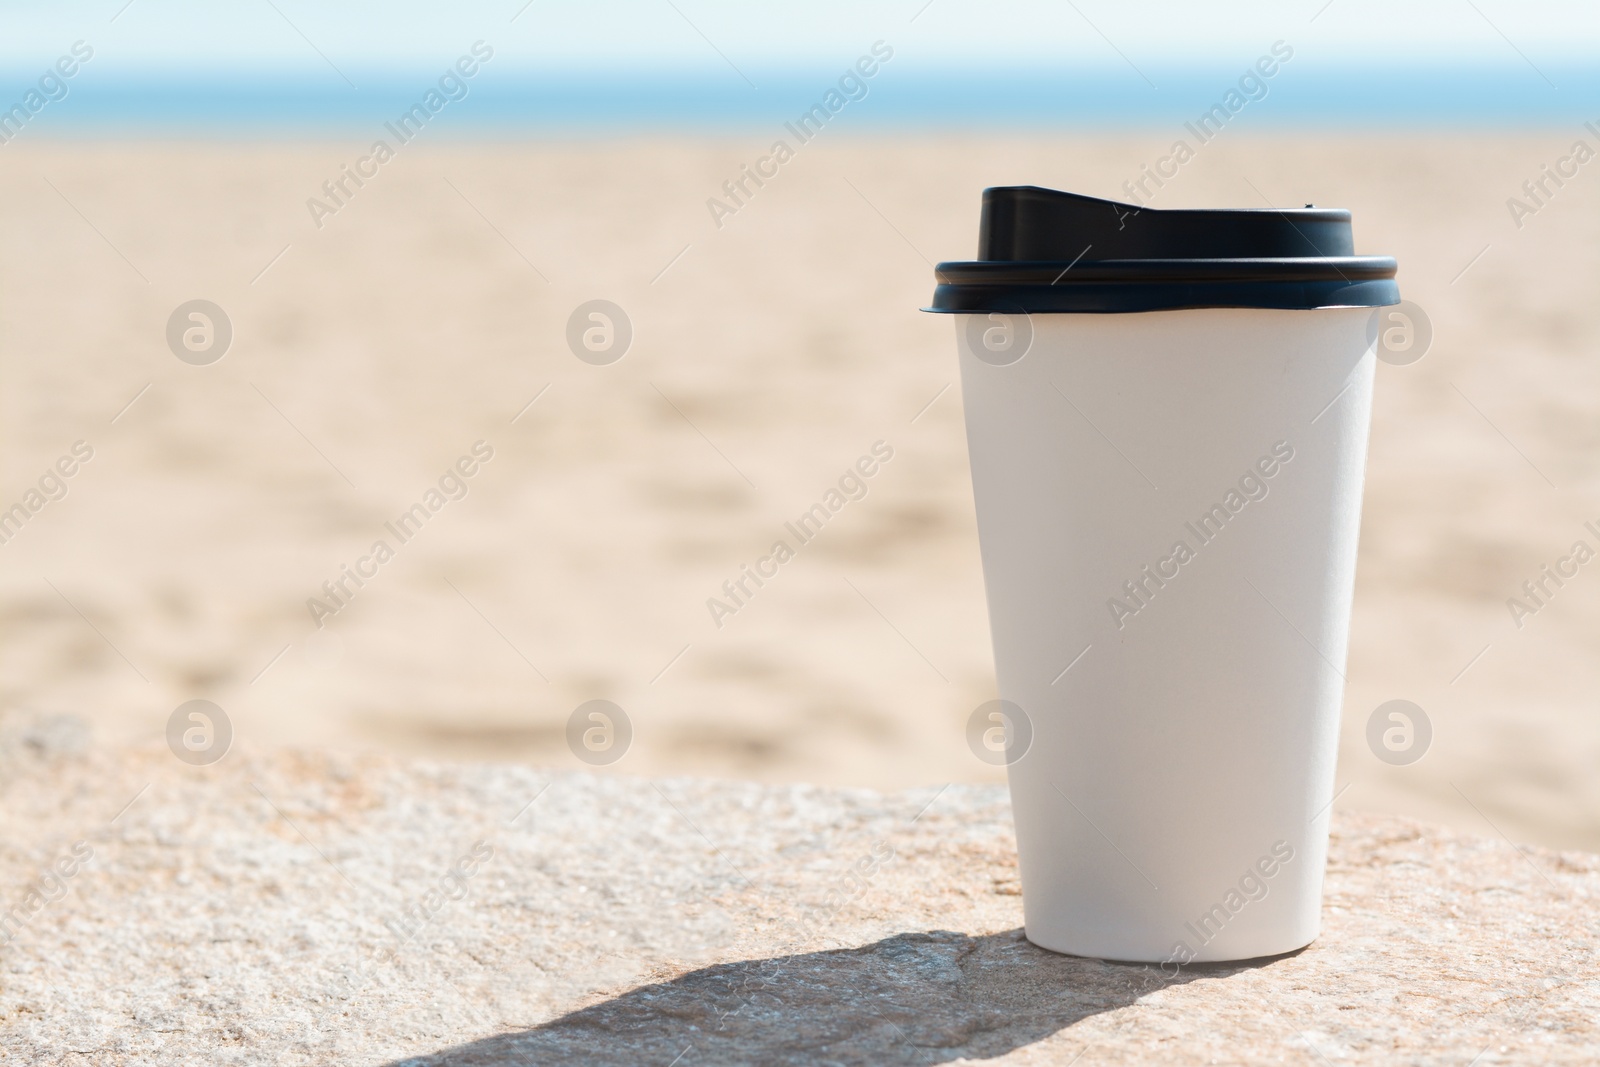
x,y
1192,294
1061,272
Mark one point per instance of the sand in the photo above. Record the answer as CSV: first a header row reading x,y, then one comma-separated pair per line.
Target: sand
x,y
372,353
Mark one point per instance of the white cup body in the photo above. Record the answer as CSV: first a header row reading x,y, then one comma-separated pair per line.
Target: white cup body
x,y
1172,805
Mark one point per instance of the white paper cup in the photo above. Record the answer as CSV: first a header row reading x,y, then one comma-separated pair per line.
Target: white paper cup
x,y
1168,505
1173,801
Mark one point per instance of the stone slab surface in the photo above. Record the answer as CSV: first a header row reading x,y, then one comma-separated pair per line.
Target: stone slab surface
x,y
292,908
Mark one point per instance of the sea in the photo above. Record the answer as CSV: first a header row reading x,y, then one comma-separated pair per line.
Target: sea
x,y
516,103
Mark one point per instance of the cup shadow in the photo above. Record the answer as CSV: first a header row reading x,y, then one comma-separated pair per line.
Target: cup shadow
x,y
914,998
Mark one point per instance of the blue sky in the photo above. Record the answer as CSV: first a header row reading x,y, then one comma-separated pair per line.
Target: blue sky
x,y
688,34
1539,55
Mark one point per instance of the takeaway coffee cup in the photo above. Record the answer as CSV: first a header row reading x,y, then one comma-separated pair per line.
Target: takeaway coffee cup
x,y
1167,418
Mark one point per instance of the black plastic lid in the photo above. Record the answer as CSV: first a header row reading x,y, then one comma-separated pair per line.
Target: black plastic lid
x,y
1040,250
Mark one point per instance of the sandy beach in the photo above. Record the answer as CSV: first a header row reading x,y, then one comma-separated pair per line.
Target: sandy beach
x,y
423,325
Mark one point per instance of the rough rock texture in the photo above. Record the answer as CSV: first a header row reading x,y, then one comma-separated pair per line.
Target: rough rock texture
x,y
297,909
